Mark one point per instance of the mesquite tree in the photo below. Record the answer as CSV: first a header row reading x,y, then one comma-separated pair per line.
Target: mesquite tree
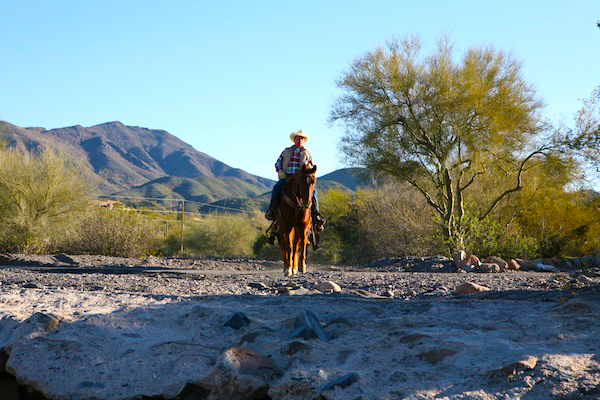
x,y
439,122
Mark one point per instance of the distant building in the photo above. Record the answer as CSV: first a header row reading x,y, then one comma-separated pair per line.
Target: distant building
x,y
110,203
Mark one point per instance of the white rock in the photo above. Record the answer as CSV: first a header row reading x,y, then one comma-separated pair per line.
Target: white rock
x,y
329,285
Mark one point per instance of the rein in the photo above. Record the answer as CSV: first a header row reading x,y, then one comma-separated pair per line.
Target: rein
x,y
298,204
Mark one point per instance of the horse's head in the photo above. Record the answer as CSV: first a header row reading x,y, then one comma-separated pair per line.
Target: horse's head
x,y
304,184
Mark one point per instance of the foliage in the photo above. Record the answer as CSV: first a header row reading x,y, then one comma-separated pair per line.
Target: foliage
x,y
116,232
42,197
217,235
585,138
375,223
488,237
440,124
564,224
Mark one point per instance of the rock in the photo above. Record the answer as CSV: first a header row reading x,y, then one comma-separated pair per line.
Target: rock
x,y
489,268
258,285
329,285
584,279
513,265
366,295
300,292
458,256
342,382
545,268
436,355
548,261
308,327
389,293
469,288
498,261
295,347
241,373
30,286
469,264
515,368
237,321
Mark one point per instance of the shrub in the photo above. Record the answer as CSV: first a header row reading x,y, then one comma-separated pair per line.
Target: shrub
x,y
42,198
227,235
118,233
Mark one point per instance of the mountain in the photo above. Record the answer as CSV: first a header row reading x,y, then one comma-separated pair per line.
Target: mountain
x,y
346,179
147,162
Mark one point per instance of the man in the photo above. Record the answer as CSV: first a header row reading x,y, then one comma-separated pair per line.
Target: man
x,y
290,160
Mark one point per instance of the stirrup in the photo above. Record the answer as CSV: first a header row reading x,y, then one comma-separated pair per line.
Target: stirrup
x,y
270,215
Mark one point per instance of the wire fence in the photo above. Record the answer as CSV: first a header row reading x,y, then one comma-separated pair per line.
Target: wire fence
x,y
180,211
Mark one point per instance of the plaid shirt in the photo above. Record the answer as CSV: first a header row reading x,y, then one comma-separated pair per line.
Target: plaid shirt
x,y
294,162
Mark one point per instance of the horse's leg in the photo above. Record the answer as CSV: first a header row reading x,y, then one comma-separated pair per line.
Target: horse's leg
x,y
302,249
296,250
287,252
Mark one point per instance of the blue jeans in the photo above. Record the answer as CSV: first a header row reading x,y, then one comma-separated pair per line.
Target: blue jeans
x,y
275,194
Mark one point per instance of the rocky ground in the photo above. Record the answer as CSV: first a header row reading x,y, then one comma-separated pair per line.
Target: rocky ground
x,y
91,327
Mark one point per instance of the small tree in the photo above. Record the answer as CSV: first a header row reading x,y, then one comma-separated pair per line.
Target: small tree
x,y
41,199
439,124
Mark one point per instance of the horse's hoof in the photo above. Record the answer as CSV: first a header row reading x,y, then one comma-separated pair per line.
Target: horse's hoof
x,y
288,272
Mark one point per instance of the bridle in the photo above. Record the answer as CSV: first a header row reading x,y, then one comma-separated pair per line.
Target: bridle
x,y
296,202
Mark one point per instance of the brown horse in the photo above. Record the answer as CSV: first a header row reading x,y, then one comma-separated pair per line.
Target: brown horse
x,y
294,218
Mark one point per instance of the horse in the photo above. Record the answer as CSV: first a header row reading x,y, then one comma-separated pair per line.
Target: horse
x,y
294,218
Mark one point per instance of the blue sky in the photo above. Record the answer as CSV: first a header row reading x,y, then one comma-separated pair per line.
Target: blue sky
x,y
234,78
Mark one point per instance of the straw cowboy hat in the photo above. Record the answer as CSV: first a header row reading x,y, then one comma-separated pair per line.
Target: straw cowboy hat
x,y
299,133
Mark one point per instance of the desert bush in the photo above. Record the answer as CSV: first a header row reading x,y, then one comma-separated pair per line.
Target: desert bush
x,y
375,223
224,235
564,224
42,198
489,237
119,233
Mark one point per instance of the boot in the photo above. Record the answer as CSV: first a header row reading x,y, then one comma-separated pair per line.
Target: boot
x,y
270,214
319,222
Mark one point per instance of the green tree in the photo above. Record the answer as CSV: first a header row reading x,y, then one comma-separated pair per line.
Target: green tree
x,y
440,123
585,138
41,198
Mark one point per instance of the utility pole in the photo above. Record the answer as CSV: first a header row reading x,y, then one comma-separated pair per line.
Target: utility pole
x,y
182,215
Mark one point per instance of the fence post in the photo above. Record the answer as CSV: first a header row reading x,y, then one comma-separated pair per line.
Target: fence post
x,y
182,215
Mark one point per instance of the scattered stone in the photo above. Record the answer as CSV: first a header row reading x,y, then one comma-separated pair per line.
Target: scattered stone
x,y
329,285
389,293
515,368
498,261
342,382
469,264
489,268
64,258
469,288
308,327
240,373
436,355
545,268
584,279
295,347
258,285
237,321
458,256
513,265
366,295
283,289
300,292
30,286
249,338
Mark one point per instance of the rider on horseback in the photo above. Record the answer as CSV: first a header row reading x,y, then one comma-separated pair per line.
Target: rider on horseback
x,y
290,160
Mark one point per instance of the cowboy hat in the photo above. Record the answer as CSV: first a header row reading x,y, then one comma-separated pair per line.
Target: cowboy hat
x,y
299,133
